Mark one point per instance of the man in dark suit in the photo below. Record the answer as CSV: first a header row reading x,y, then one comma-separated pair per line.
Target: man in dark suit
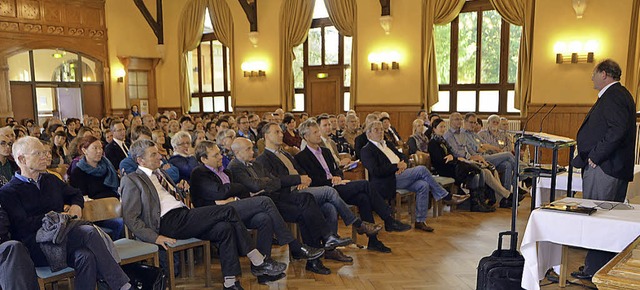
x,y
296,207
388,171
117,149
154,210
281,164
323,170
211,184
606,142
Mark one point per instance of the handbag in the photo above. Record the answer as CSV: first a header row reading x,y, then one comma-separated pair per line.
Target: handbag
x,y
145,277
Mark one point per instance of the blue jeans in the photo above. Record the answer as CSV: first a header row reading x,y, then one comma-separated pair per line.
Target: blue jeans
x,y
419,180
328,197
505,163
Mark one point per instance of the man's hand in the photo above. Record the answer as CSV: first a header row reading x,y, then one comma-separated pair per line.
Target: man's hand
x,y
164,241
401,167
305,180
75,210
336,180
345,161
184,185
477,158
593,165
166,166
448,158
301,187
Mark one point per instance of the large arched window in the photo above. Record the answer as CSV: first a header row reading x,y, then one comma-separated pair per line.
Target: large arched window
x,y
477,60
210,81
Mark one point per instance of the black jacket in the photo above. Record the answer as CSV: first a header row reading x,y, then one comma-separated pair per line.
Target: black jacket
x,y
308,161
382,174
114,153
607,134
207,187
272,164
263,181
360,141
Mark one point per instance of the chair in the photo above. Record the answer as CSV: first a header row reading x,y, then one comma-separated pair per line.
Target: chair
x,y
409,197
45,276
189,245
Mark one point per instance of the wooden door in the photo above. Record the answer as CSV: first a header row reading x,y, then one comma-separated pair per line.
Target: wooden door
x,y
22,101
92,100
324,90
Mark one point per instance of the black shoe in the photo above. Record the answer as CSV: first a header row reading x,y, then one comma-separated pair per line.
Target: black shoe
x,y
477,206
581,275
317,267
268,267
378,246
307,253
334,241
506,202
396,226
337,255
552,276
264,279
235,286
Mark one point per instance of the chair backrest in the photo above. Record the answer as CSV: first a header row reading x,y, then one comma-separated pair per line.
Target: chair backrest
x,y
291,150
101,209
422,158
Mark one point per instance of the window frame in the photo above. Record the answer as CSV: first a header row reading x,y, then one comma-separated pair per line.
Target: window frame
x,y
503,86
226,92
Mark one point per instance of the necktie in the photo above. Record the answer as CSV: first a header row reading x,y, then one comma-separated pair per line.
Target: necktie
x,y
169,187
251,171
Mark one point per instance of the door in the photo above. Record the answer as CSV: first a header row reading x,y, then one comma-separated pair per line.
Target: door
x,y
69,102
324,89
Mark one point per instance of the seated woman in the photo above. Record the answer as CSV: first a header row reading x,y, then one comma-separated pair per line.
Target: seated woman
x,y
96,178
462,170
224,139
418,141
158,137
59,150
291,137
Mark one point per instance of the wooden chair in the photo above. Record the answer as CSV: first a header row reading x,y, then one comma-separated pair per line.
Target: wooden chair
x,y
409,199
260,144
46,276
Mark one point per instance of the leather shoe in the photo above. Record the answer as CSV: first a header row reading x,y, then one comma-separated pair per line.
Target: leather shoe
x,y
396,226
552,276
337,255
581,275
423,226
268,267
378,246
334,241
368,228
456,199
317,267
235,286
506,202
264,279
307,253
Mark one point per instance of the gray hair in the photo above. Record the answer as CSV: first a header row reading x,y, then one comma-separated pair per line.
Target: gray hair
x,y
24,145
371,118
370,125
493,117
176,138
228,133
306,126
240,144
202,148
138,148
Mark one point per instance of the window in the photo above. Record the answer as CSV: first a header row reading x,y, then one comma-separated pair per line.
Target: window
x,y
477,60
324,47
210,78
138,85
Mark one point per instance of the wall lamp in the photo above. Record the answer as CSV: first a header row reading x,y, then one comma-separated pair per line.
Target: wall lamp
x,y
576,52
254,69
384,61
120,73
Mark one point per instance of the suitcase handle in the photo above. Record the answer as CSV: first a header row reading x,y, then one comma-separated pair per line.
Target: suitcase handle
x,y
513,242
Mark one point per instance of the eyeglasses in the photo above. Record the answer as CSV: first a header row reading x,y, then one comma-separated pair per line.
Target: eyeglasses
x,y
4,143
39,153
184,143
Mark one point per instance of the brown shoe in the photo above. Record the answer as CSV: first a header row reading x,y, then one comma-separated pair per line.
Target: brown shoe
x,y
368,228
423,226
456,199
337,255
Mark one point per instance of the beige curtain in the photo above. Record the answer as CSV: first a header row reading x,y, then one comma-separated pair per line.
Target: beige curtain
x,y
189,34
434,12
223,29
633,59
343,15
295,20
520,12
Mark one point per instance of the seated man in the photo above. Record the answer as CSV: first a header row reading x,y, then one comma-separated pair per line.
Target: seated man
x,y
31,194
128,165
283,166
183,155
295,207
210,184
16,268
154,210
388,171
324,171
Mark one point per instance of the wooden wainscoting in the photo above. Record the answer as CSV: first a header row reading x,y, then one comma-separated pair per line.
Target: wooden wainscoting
x,y
401,116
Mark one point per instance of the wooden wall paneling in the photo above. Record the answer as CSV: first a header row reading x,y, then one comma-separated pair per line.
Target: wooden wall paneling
x,y
401,115
22,99
92,100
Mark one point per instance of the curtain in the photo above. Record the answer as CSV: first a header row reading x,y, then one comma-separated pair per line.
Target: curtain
x,y
633,59
189,34
343,15
295,20
520,12
223,30
434,12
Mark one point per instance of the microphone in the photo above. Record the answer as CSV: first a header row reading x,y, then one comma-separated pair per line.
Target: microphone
x,y
529,119
545,116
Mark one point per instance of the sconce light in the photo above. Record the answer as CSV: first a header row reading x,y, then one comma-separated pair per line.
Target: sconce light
x,y
254,69
579,6
385,22
384,61
253,38
575,52
120,73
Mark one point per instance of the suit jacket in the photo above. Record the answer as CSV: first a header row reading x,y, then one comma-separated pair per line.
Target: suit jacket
x,y
308,161
263,180
114,153
608,132
274,165
207,187
360,142
141,205
382,173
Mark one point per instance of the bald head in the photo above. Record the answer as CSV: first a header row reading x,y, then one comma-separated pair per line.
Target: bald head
x,y
243,149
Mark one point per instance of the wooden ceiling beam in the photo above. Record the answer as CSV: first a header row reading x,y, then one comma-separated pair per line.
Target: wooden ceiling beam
x,y
250,8
155,24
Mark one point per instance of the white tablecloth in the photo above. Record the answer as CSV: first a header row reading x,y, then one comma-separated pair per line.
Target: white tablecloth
x,y
543,186
604,230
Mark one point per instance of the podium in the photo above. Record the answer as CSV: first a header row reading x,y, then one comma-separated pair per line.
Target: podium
x,y
543,140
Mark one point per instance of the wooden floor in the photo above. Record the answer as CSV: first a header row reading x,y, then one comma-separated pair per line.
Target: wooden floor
x,y
445,259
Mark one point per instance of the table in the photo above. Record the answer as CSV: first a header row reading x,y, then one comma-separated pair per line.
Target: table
x,y
548,231
544,184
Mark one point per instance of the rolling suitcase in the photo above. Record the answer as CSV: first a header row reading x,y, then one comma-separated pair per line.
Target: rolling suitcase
x,y
503,269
